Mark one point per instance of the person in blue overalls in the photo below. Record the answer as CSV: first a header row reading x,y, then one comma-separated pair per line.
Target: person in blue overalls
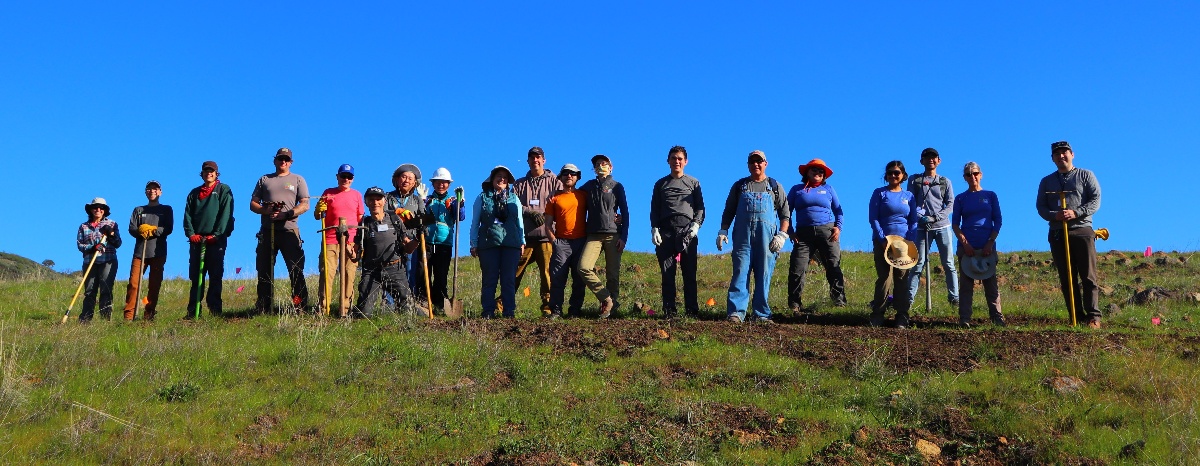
x,y
760,206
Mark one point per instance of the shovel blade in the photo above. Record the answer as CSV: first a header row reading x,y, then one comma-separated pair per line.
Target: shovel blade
x,y
453,308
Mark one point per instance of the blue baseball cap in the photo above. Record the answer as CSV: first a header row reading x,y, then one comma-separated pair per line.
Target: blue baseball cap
x,y
345,168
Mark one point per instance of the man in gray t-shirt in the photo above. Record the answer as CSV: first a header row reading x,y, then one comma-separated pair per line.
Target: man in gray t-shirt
x,y
279,198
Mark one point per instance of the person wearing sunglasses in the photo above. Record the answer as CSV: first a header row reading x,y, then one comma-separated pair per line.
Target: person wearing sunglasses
x,y
976,221
891,212
337,203
280,198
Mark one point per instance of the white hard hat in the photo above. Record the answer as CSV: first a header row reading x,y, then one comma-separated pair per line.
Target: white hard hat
x,y
441,174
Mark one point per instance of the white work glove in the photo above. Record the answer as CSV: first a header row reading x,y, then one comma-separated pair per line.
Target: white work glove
x,y
655,237
777,241
722,238
693,230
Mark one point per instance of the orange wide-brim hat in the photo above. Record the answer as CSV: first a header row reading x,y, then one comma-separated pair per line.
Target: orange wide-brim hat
x,y
816,163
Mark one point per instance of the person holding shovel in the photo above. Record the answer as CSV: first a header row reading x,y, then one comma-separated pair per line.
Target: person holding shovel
x,y
566,216
497,239
893,217
977,221
98,239
150,225
341,202
207,224
446,210
383,241
676,213
279,198
1081,190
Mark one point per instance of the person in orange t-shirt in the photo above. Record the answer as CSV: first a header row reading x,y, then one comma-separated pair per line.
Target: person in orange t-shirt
x,y
566,217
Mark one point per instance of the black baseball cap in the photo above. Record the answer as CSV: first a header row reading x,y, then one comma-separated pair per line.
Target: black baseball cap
x,y
1055,147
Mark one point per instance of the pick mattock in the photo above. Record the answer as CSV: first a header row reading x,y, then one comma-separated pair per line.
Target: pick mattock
x,y
83,280
342,231
323,300
141,270
1062,198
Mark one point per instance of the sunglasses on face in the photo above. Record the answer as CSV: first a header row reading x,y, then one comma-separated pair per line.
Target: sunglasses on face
x,y
974,174
208,170
346,176
895,173
817,171
283,158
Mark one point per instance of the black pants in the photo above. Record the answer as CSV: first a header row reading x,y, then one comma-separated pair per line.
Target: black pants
x,y
214,268
439,268
389,279
1083,270
98,282
667,266
809,241
288,243
886,278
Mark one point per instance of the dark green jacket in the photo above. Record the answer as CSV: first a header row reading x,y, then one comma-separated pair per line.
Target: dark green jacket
x,y
211,216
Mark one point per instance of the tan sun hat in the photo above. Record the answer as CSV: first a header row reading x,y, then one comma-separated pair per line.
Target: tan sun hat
x,y
900,253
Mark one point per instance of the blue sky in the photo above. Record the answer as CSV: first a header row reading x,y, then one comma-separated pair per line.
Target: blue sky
x,y
98,98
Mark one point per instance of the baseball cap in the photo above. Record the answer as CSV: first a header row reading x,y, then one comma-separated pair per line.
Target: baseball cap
x,y
756,154
154,184
930,152
1060,145
601,157
283,152
345,168
209,164
570,168
374,191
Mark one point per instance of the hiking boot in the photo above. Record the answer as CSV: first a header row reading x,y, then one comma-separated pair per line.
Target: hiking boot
x,y
555,316
902,322
953,302
734,318
606,307
795,307
998,320
964,323
876,319
761,320
1094,324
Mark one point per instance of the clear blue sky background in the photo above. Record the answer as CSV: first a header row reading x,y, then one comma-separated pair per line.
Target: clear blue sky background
x,y
97,98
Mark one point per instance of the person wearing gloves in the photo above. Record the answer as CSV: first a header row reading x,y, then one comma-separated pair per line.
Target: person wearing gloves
x,y
758,204
383,245
933,196
439,235
976,221
100,237
566,216
676,213
497,239
408,201
891,212
149,224
816,232
339,202
608,230
280,198
207,224
535,190
1081,189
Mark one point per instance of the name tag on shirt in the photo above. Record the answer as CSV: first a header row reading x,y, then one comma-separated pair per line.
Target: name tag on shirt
x,y
496,221
535,202
381,227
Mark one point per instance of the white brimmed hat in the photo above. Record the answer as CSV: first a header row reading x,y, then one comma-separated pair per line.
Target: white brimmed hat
x,y
900,253
979,267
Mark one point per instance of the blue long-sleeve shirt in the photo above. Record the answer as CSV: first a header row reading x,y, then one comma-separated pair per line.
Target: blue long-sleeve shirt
x,y
892,213
815,206
977,214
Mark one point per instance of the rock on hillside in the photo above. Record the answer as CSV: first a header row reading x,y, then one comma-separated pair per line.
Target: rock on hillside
x,y
14,267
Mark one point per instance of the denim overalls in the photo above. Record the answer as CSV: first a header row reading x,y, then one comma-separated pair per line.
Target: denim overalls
x,y
755,222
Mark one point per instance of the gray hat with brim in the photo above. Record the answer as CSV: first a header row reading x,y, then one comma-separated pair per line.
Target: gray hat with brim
x,y
98,201
979,267
406,167
570,167
487,184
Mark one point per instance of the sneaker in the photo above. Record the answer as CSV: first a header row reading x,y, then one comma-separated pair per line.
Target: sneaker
x,y
734,318
606,307
998,320
953,302
964,323
902,322
795,307
876,319
762,320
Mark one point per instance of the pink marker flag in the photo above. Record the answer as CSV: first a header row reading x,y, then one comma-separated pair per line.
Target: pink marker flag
x,y
678,256
1147,253
237,270
240,288
1155,320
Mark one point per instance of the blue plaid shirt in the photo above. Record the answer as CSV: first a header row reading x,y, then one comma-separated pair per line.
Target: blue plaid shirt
x,y
89,236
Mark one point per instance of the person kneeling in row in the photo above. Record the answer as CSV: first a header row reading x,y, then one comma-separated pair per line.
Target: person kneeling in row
x,y
383,242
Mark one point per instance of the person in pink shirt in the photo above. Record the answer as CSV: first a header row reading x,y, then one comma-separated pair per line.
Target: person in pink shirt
x,y
335,203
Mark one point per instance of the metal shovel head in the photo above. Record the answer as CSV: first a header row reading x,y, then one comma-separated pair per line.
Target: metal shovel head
x,y
453,308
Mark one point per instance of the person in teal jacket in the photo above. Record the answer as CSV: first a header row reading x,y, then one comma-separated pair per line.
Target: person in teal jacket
x,y
443,206
498,239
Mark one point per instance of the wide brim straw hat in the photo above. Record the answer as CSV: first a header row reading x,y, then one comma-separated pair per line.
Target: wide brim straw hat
x,y
816,163
979,267
900,253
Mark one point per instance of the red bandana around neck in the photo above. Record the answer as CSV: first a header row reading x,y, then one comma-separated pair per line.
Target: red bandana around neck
x,y
206,191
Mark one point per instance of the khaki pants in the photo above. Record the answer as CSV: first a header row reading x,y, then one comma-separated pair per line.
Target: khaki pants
x,y
542,252
345,296
610,245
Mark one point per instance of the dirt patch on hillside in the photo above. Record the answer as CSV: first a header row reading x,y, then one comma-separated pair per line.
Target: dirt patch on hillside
x,y
930,346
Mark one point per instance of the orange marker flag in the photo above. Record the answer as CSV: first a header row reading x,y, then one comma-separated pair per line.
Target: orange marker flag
x,y
711,302
527,292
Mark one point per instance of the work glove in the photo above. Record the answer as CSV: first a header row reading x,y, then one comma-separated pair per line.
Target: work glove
x,y
147,230
107,230
722,239
777,241
693,230
405,214
100,248
195,239
210,239
458,193
322,206
926,220
655,237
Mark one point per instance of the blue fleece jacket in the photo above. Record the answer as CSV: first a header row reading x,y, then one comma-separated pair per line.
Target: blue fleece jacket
x,y
892,213
977,215
815,206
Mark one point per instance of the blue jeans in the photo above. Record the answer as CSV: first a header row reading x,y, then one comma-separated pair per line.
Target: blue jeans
x,y
754,224
943,238
499,264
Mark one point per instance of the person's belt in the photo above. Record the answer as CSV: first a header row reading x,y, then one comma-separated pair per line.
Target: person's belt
x,y
384,264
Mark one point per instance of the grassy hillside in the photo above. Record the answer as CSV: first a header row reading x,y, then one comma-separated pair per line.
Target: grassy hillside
x,y
820,388
14,267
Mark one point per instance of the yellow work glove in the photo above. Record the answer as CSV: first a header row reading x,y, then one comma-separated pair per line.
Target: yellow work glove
x,y
405,213
147,230
321,206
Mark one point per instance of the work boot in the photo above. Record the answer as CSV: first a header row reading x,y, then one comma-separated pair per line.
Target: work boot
x,y
998,320
1094,323
734,318
877,319
902,321
606,307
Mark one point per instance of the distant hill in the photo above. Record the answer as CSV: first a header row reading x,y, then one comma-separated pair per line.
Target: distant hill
x,y
14,267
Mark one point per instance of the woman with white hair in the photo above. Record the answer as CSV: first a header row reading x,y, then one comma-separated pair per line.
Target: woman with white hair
x,y
976,221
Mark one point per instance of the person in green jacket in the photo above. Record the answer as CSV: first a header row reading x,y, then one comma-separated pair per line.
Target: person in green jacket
x,y
498,239
207,223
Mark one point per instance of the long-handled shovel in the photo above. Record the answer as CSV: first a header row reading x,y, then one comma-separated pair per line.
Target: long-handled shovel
x,y
200,276
1062,198
141,270
323,300
67,313
454,306
425,273
345,283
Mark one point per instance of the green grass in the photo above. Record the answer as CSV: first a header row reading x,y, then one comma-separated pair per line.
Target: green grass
x,y
393,390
